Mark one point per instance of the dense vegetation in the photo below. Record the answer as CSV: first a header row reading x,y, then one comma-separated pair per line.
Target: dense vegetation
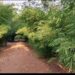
x,y
52,34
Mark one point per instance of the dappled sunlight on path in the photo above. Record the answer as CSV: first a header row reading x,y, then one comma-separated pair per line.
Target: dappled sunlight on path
x,y
19,45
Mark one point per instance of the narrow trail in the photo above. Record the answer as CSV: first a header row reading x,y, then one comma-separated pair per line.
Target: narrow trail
x,y
19,58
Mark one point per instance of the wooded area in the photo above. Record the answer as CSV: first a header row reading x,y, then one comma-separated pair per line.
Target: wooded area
x,y
51,33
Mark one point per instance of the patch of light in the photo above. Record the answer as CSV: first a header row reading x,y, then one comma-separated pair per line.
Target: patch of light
x,y
17,3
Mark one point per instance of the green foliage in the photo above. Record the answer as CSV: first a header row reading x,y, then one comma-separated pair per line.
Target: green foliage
x,y
49,33
23,31
6,14
41,38
68,3
3,30
67,54
32,15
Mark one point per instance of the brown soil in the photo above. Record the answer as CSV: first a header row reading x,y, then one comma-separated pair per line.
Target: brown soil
x,y
20,58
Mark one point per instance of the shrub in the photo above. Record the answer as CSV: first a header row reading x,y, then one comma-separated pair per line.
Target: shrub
x,y
32,15
4,29
41,38
67,54
23,33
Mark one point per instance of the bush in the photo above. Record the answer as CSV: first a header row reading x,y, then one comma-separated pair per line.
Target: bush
x,y
41,38
4,29
32,15
67,54
65,37
23,33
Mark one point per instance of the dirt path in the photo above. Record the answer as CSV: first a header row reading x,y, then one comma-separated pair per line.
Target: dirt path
x,y
18,58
